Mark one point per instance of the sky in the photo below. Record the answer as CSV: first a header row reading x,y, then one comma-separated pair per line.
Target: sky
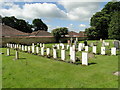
x,y
54,13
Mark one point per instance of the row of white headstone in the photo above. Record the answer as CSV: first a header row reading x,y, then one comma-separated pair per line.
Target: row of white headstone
x,y
63,52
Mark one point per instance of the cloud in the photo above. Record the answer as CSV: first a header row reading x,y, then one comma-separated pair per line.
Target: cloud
x,y
82,25
80,11
36,10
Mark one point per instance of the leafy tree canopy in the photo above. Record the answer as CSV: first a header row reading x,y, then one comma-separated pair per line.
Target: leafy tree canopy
x,y
39,25
59,32
102,19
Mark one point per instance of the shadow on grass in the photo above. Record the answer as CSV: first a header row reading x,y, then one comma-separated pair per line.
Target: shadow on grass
x,y
88,63
22,58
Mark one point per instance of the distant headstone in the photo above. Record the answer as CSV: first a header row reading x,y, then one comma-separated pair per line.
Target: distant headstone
x,y
29,49
22,47
117,44
94,50
73,56
16,55
71,50
113,51
33,49
48,51
26,48
42,51
103,50
86,48
54,53
62,54
58,46
8,51
79,47
37,50
100,39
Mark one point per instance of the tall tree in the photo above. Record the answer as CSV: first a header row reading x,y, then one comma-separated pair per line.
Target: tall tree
x,y
39,25
59,32
114,26
102,19
18,24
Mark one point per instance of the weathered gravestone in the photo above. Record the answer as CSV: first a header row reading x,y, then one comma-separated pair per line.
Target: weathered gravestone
x,y
117,44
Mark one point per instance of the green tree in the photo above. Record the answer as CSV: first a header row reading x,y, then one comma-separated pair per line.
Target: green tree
x,y
39,25
18,24
91,33
114,26
59,32
102,19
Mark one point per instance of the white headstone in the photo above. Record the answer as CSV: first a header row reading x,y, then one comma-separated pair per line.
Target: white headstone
x,y
29,49
63,46
113,51
94,49
62,54
43,45
54,53
58,46
8,51
73,56
16,55
33,44
33,49
86,48
68,47
19,47
7,45
48,51
22,47
79,47
42,51
37,50
40,44
71,48
84,58
103,50
26,48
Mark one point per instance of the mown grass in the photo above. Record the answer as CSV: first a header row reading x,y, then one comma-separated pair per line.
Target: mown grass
x,y
32,71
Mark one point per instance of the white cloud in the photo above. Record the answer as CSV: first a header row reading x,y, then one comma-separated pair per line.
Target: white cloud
x,y
81,11
82,25
36,10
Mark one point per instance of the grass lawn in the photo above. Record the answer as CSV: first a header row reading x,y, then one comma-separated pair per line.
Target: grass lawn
x,y
32,71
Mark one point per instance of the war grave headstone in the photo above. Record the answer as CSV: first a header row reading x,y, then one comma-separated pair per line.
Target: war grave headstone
x,y
103,50
84,58
113,51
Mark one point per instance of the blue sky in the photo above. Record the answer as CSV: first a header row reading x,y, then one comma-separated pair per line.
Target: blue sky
x,y
74,15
